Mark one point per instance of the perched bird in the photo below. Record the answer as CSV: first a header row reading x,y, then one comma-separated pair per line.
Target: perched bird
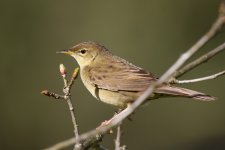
x,y
115,81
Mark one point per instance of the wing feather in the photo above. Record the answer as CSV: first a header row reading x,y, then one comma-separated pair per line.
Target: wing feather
x,y
120,76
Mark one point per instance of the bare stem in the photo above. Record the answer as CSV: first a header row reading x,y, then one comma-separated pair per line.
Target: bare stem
x,y
118,138
201,42
75,126
209,35
51,94
200,79
73,118
199,61
62,144
66,90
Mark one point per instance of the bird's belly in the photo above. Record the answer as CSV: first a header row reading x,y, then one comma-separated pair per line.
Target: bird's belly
x,y
116,98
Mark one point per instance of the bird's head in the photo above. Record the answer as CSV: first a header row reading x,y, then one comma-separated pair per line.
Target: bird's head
x,y
84,52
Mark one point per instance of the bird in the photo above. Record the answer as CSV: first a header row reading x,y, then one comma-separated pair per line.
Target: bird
x,y
115,81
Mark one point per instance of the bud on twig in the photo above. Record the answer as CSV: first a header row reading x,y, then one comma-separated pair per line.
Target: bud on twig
x,y
46,92
62,70
222,9
75,73
74,76
51,94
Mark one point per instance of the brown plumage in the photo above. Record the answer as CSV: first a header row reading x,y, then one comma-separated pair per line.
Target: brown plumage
x,y
115,81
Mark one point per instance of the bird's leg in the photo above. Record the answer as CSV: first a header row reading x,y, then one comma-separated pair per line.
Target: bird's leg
x,y
106,122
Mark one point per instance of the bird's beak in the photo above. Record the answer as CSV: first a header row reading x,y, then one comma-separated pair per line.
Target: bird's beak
x,y
67,51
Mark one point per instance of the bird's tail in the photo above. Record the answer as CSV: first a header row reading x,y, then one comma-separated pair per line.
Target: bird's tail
x,y
182,92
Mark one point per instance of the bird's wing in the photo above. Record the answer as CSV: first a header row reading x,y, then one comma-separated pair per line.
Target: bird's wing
x,y
120,76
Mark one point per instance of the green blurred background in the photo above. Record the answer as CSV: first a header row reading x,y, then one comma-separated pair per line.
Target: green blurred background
x,y
151,34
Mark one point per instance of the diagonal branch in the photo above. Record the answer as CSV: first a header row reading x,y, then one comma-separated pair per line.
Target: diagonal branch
x,y
199,61
201,42
62,144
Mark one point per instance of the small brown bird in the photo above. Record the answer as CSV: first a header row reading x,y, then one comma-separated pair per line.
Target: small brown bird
x,y
115,81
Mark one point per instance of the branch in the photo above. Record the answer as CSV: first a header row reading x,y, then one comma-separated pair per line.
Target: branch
x,y
222,9
62,144
66,90
184,57
51,94
214,29
200,60
94,143
118,135
118,139
200,79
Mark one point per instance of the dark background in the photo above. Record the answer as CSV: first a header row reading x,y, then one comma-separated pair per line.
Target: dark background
x,y
151,34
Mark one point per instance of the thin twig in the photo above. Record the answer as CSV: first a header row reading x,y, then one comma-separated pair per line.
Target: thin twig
x,y
67,97
62,144
51,94
200,79
118,135
199,61
222,9
94,143
201,42
73,118
118,138
66,90
219,23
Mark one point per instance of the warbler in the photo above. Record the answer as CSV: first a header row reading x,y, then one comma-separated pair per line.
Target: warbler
x,y
115,81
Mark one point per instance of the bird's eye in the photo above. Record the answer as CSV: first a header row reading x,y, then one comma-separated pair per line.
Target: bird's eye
x,y
83,51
